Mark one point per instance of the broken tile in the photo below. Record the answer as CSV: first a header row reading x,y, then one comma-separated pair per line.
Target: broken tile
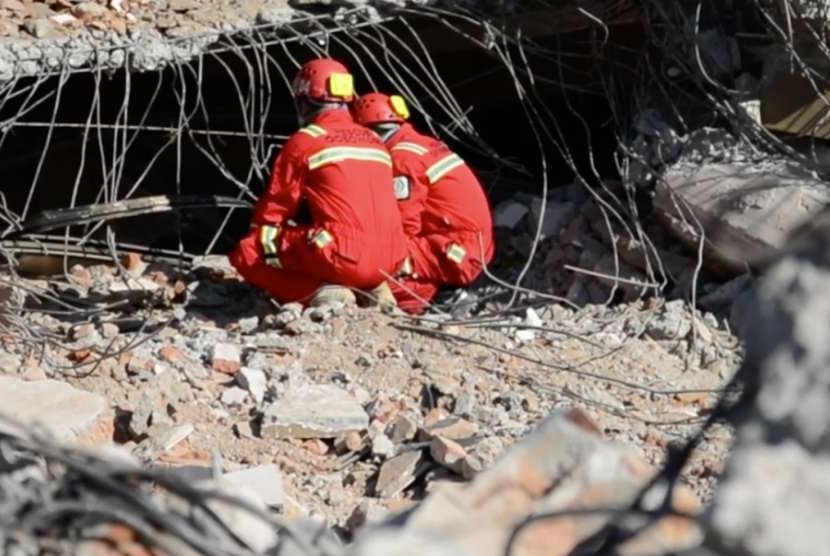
x,y
448,453
317,411
397,473
453,428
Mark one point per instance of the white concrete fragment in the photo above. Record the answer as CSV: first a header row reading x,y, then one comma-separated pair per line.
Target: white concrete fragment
x,y
254,381
266,480
317,411
234,396
65,411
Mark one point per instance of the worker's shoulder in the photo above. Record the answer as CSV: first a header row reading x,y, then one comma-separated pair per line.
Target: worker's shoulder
x,y
417,144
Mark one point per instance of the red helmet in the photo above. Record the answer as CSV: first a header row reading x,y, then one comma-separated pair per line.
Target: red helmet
x,y
324,79
377,108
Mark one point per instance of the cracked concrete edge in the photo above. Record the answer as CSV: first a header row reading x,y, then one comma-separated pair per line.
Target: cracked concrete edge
x,y
143,50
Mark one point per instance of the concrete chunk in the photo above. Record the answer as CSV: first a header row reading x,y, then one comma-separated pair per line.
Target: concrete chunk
x,y
65,411
747,211
317,411
265,480
397,473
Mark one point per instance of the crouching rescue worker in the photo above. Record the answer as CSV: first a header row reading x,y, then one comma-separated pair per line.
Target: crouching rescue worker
x,y
445,212
343,173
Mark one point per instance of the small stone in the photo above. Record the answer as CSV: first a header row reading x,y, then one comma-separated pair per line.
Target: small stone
x,y
95,10
465,402
368,512
351,442
234,396
81,331
13,5
404,429
226,358
382,446
183,5
317,411
138,365
470,467
40,28
171,353
132,261
433,416
487,450
532,319
448,453
254,381
524,335
248,325
316,446
244,430
109,330
364,360
397,473
531,401
444,382
32,373
453,428
9,363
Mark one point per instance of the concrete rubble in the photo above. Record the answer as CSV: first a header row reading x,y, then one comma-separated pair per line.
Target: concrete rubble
x,y
64,411
783,427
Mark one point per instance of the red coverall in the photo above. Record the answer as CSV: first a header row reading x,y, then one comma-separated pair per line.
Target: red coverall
x,y
445,216
343,172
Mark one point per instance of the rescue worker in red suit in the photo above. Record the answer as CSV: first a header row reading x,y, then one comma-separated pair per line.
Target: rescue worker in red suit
x,y
445,212
343,172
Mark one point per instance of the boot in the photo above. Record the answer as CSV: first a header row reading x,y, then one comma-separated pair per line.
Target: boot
x,y
332,293
381,297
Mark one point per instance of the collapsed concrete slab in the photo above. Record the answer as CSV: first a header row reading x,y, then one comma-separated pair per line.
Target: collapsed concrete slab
x,y
746,211
64,411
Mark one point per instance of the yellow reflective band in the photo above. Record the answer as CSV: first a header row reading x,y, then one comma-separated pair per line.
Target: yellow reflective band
x,y
313,130
399,106
322,238
339,154
456,253
410,147
341,85
442,167
267,237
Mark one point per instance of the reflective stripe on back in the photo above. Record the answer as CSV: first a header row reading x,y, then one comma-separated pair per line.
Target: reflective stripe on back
x,y
313,130
339,154
442,167
410,147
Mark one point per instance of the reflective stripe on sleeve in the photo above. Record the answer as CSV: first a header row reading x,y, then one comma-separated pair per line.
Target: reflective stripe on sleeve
x,y
313,130
267,238
410,147
442,167
332,155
